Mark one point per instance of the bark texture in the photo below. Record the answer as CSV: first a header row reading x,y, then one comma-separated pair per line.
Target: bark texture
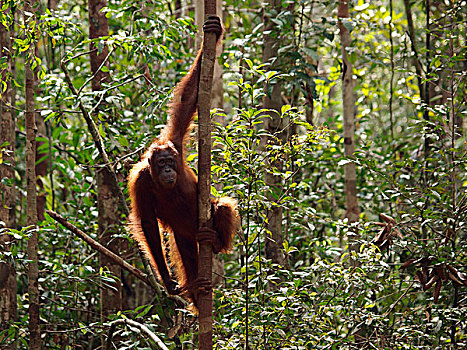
x,y
8,305
216,102
350,175
273,123
107,193
41,168
98,27
204,176
31,131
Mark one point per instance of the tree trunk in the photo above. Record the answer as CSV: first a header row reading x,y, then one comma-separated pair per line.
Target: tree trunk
x,y
52,5
350,174
31,130
273,123
204,176
41,167
8,305
217,99
107,194
216,102
416,61
199,21
178,9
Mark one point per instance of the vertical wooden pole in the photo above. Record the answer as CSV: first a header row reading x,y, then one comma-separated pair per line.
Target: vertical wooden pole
x,y
204,176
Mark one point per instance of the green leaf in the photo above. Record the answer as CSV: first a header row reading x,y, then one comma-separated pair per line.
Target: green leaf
x,y
285,109
100,46
101,131
123,141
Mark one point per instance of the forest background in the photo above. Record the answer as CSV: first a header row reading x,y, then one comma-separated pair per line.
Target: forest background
x,y
340,128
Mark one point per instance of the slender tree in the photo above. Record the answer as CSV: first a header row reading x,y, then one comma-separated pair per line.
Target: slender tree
x,y
8,305
107,193
216,102
204,176
350,174
41,167
273,123
217,83
31,130
416,60
217,86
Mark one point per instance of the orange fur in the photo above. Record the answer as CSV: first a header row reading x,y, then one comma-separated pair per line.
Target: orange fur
x,y
163,192
226,221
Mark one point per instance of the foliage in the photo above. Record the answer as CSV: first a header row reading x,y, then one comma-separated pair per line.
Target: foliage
x,y
406,286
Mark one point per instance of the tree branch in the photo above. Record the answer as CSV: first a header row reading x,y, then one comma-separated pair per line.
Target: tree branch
x,y
106,162
96,137
100,248
118,260
138,325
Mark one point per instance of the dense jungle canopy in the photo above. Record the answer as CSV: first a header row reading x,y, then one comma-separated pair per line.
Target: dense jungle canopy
x,y
339,127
